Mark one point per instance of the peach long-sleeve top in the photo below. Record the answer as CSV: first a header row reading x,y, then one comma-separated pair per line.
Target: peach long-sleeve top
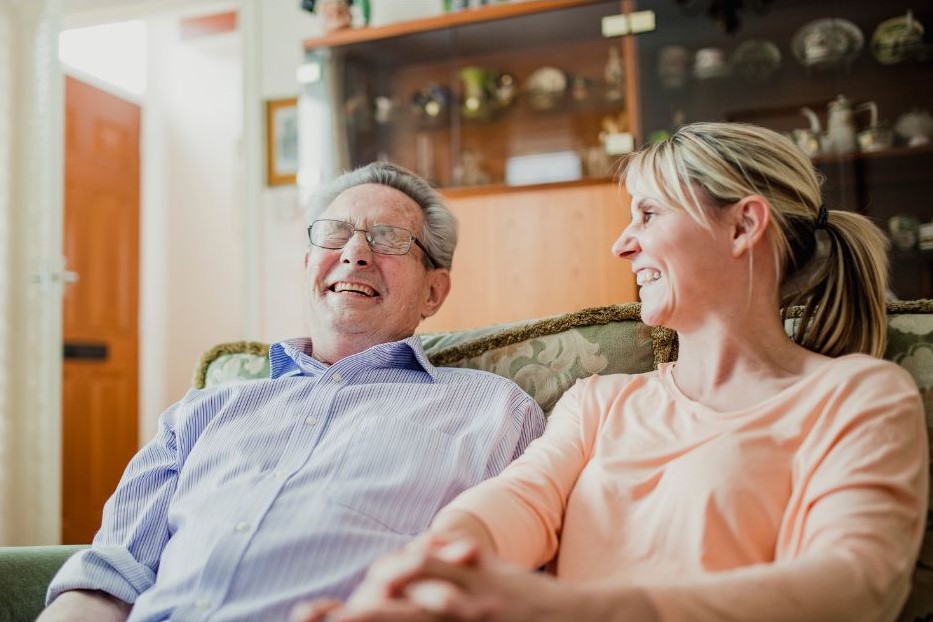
x,y
807,506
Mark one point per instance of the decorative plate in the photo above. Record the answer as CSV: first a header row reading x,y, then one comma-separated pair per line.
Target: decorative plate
x,y
897,39
545,87
827,42
756,60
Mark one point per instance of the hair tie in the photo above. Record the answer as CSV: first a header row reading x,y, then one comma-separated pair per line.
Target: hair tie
x,y
822,217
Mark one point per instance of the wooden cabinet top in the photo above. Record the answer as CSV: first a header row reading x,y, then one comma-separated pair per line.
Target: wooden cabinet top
x,y
458,19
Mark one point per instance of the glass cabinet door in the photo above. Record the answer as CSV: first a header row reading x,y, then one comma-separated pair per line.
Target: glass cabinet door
x,y
851,82
526,97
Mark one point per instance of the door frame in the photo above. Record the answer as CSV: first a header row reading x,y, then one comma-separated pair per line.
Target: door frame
x,y
31,480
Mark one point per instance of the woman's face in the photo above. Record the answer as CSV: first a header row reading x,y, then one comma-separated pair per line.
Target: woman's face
x,y
680,266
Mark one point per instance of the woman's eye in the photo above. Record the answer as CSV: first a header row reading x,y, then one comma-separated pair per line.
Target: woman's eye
x,y
647,216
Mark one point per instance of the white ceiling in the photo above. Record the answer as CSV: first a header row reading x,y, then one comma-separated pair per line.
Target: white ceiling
x,y
76,13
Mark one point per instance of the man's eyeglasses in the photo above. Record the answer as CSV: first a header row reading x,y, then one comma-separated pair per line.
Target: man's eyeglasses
x,y
382,239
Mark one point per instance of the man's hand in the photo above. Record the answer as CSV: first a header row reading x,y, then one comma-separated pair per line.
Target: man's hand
x,y
456,581
382,594
85,606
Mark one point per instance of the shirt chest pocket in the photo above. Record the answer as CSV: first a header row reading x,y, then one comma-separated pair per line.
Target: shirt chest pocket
x,y
397,473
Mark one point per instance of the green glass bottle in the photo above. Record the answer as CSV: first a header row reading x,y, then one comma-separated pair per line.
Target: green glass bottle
x,y
367,10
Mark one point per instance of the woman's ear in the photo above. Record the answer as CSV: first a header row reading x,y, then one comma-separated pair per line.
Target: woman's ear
x,y
751,217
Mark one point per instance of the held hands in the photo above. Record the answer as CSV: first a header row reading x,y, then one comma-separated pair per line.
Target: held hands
x,y
433,580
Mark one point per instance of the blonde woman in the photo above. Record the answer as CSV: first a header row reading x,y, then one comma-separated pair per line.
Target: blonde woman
x,y
759,477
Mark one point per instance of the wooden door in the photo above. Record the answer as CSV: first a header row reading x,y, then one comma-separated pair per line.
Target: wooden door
x,y
100,384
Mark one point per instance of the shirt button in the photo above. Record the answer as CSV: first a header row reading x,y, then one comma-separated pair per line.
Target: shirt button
x,y
241,527
278,474
311,420
336,377
202,604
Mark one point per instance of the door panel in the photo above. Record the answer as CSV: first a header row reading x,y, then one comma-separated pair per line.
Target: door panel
x,y
99,393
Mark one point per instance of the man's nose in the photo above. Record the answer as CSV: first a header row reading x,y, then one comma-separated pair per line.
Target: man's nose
x,y
357,251
627,245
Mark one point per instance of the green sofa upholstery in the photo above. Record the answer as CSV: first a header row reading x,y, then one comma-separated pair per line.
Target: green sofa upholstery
x,y
25,572
545,357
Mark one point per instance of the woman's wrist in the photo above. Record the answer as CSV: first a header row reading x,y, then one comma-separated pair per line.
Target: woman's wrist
x,y
610,603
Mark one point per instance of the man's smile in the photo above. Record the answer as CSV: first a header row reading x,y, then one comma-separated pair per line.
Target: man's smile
x,y
360,289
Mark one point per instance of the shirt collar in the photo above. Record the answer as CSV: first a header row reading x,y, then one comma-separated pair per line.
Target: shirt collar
x,y
293,357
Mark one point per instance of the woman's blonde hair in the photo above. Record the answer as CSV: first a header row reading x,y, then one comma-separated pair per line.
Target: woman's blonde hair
x,y
834,264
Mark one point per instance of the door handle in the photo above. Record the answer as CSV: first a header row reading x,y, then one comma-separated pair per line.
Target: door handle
x,y
72,350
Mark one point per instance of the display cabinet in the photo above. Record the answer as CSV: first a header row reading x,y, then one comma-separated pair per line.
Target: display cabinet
x,y
873,147
514,93
518,112
515,111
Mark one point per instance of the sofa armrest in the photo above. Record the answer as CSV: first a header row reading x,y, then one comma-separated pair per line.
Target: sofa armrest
x,y
25,574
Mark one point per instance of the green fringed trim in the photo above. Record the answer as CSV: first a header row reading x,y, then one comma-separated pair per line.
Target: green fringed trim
x,y
895,307
549,326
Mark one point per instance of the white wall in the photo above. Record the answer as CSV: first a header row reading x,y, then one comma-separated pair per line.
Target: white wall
x,y
192,276
283,26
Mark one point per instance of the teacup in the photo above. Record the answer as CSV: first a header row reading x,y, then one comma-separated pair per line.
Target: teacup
x,y
875,139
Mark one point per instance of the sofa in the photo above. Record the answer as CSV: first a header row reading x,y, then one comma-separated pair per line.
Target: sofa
x,y
545,357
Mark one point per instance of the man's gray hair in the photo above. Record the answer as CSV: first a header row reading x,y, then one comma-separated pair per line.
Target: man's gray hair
x,y
439,231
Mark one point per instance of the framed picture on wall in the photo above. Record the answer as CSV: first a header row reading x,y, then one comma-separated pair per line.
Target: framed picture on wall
x,y
281,141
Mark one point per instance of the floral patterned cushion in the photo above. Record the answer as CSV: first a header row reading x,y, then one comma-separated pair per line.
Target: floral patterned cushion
x,y
545,357
910,344
237,360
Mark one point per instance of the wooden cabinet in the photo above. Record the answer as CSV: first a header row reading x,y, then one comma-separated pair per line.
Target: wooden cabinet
x,y
502,108
532,252
756,88
473,97
529,251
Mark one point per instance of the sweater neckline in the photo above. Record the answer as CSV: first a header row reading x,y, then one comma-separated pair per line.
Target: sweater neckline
x,y
666,374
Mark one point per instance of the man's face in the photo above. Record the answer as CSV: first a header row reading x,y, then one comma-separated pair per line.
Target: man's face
x,y
370,298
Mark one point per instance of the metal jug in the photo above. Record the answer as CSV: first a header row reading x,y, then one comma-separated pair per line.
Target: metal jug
x,y
840,126
809,140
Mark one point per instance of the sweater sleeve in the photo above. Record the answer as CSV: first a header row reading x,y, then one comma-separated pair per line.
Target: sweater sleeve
x,y
523,507
853,525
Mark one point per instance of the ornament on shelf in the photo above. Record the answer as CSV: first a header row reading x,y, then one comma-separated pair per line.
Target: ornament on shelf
x,y
336,14
614,74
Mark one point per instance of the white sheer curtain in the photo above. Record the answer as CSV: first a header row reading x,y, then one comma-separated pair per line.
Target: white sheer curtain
x,y
31,137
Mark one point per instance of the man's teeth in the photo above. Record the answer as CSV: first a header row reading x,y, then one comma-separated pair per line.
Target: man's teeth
x,y
647,276
358,288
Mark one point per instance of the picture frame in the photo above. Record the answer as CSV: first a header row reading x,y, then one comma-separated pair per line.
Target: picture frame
x,y
281,141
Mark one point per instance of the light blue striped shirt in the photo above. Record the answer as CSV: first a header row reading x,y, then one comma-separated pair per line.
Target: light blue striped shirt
x,y
255,495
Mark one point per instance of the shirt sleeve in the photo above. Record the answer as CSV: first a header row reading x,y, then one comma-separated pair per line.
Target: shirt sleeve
x,y
124,556
531,421
853,526
523,508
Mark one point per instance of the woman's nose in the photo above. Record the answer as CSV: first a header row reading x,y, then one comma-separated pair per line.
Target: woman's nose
x,y
626,246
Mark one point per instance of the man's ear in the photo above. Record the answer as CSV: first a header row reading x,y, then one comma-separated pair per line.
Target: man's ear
x,y
438,288
751,217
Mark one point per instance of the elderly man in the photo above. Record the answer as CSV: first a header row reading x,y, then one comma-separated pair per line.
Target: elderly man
x,y
256,495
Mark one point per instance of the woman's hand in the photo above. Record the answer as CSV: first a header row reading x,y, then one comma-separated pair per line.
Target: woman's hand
x,y
432,581
381,595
